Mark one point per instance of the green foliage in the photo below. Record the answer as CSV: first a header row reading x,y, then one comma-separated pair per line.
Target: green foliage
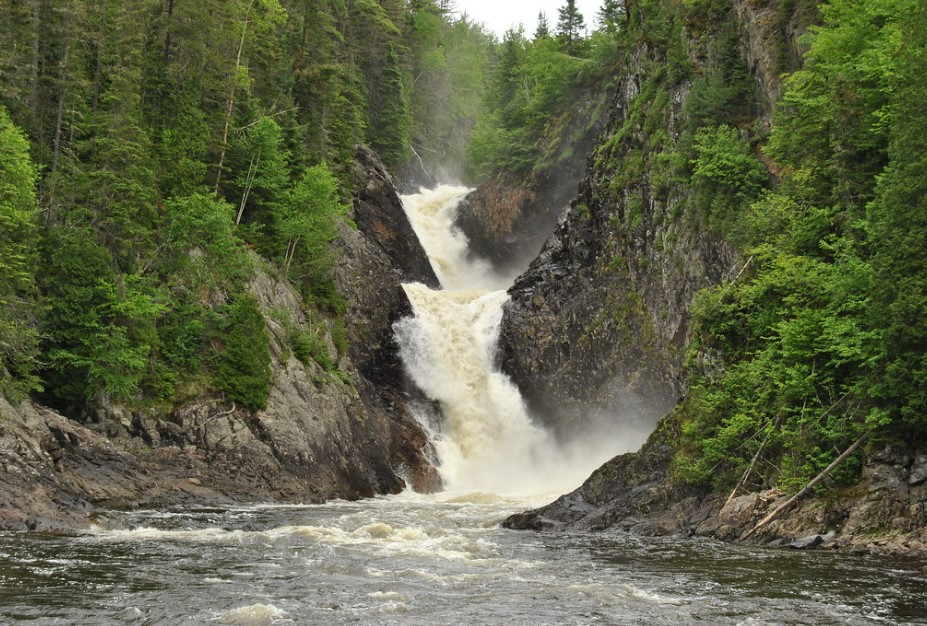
x,y
167,138
200,249
261,163
307,222
242,370
98,323
389,128
449,65
726,176
570,28
531,81
18,261
831,126
819,338
309,348
898,227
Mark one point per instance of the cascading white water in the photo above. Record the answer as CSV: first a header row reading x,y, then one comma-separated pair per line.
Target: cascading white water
x,y
487,442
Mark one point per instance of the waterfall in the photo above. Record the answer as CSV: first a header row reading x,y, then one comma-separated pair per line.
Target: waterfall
x,y
486,442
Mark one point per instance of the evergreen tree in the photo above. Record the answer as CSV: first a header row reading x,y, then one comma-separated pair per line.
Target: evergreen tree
x,y
610,15
243,368
389,130
18,260
570,28
543,29
326,85
899,231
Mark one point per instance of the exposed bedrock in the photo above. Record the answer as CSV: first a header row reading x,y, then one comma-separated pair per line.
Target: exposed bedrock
x,y
598,326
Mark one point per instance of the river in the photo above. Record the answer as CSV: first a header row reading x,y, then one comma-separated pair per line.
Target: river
x,y
441,558
415,559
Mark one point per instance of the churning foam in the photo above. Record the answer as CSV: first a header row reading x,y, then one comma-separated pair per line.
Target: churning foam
x,y
487,441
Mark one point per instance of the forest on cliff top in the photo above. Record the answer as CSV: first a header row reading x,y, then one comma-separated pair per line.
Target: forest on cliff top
x,y
152,148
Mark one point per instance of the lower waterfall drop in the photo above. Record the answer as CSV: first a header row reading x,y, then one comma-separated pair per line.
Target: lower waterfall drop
x,y
487,441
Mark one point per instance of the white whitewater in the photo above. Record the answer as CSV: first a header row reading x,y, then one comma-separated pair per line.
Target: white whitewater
x,y
487,441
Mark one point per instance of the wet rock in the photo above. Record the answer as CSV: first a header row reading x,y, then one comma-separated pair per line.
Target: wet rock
x,y
52,470
378,213
806,543
918,475
597,327
508,219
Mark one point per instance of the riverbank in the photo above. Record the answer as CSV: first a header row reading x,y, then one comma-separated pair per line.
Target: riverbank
x,y
884,513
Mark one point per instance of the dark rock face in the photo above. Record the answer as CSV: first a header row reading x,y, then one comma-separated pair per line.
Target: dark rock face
x,y
375,301
378,214
631,492
375,260
598,325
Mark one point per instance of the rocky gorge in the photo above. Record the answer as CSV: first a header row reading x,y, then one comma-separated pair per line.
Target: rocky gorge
x,y
596,331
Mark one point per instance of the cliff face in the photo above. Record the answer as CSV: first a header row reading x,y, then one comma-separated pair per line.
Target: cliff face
x,y
598,326
326,432
600,323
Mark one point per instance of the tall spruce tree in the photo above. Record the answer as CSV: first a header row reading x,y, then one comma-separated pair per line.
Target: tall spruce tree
x,y
543,29
389,115
570,28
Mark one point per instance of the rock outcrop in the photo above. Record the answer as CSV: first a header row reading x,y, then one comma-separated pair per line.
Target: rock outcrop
x,y
343,432
378,214
599,324
884,513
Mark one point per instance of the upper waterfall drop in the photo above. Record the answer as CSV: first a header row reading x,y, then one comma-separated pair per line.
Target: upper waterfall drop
x,y
487,441
431,213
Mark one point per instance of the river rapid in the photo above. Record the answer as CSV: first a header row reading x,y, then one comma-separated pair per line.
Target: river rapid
x,y
414,559
440,558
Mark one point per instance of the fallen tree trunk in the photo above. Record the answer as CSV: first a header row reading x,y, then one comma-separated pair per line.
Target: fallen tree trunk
x,y
807,488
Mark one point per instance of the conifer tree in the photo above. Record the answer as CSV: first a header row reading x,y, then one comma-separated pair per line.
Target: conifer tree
x,y
570,27
18,260
389,130
610,15
543,29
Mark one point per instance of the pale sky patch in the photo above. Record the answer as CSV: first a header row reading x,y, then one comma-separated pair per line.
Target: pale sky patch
x,y
500,15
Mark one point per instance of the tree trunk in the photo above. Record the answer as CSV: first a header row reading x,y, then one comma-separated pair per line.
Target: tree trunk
x,y
169,14
34,70
249,182
811,485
